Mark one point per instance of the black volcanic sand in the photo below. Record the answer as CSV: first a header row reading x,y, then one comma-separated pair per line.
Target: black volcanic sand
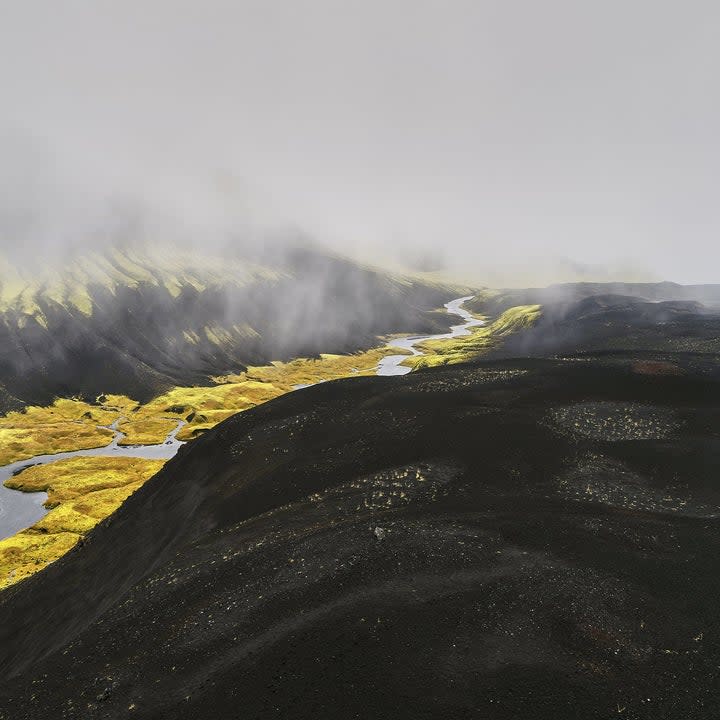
x,y
548,548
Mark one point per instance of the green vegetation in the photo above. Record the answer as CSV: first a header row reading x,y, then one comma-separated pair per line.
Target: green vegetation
x,y
81,492
480,341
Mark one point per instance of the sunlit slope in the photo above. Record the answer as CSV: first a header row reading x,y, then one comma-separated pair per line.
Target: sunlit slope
x,y
140,322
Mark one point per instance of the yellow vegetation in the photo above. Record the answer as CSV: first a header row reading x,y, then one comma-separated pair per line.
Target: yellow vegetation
x,y
81,492
64,425
205,407
145,430
481,339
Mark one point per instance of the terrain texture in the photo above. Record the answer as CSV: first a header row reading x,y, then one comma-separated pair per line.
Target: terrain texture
x,y
532,538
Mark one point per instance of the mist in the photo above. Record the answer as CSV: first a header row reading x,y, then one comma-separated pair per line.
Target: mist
x,y
502,143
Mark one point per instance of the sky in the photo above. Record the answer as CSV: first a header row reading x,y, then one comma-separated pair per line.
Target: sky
x,y
508,142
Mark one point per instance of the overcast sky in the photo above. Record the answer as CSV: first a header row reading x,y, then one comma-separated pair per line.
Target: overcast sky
x,y
575,134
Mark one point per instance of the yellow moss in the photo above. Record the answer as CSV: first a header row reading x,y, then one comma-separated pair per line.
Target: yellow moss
x,y
481,339
145,431
65,425
204,407
67,479
72,424
81,492
22,443
30,551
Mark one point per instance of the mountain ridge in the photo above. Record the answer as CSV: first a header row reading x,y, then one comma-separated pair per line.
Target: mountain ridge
x,y
139,327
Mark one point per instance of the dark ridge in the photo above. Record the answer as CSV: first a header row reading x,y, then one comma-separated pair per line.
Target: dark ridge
x,y
567,293
594,318
531,538
8,402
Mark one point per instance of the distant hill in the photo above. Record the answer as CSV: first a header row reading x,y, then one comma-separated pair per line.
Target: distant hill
x,y
496,301
136,322
594,317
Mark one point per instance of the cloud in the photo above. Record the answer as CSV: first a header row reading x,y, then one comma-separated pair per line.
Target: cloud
x,y
491,136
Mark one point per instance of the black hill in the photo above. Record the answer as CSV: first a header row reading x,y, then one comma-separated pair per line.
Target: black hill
x,y
531,538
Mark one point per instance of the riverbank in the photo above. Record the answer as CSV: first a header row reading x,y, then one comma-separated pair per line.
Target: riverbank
x,y
401,364
78,493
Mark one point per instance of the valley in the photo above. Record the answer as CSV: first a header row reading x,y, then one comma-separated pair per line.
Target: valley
x,y
503,485
30,539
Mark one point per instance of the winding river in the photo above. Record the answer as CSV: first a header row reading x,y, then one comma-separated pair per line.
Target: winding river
x,y
19,510
391,365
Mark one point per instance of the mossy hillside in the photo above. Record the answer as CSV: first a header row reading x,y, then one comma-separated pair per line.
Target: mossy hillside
x,y
139,321
81,492
74,285
481,340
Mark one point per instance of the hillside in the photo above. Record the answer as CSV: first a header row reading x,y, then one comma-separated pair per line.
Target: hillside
x,y
123,321
516,538
596,317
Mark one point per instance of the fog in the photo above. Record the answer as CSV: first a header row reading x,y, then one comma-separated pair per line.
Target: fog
x,y
504,142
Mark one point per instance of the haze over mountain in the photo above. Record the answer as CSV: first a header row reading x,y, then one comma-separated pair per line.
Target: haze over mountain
x,y
138,320
519,142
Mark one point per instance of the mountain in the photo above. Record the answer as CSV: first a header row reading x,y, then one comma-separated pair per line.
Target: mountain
x,y
136,322
530,538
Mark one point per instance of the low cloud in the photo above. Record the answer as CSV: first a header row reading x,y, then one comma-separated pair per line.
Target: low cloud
x,y
503,143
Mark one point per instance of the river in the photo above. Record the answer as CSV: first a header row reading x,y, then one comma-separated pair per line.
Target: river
x,y
391,365
19,510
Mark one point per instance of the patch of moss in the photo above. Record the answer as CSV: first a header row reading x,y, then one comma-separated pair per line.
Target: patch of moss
x,y
73,424
145,430
204,407
67,424
29,552
81,492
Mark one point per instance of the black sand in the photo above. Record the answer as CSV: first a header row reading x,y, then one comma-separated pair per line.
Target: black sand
x,y
510,539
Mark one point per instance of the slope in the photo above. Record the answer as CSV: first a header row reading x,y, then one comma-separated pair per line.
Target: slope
x,y
511,538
